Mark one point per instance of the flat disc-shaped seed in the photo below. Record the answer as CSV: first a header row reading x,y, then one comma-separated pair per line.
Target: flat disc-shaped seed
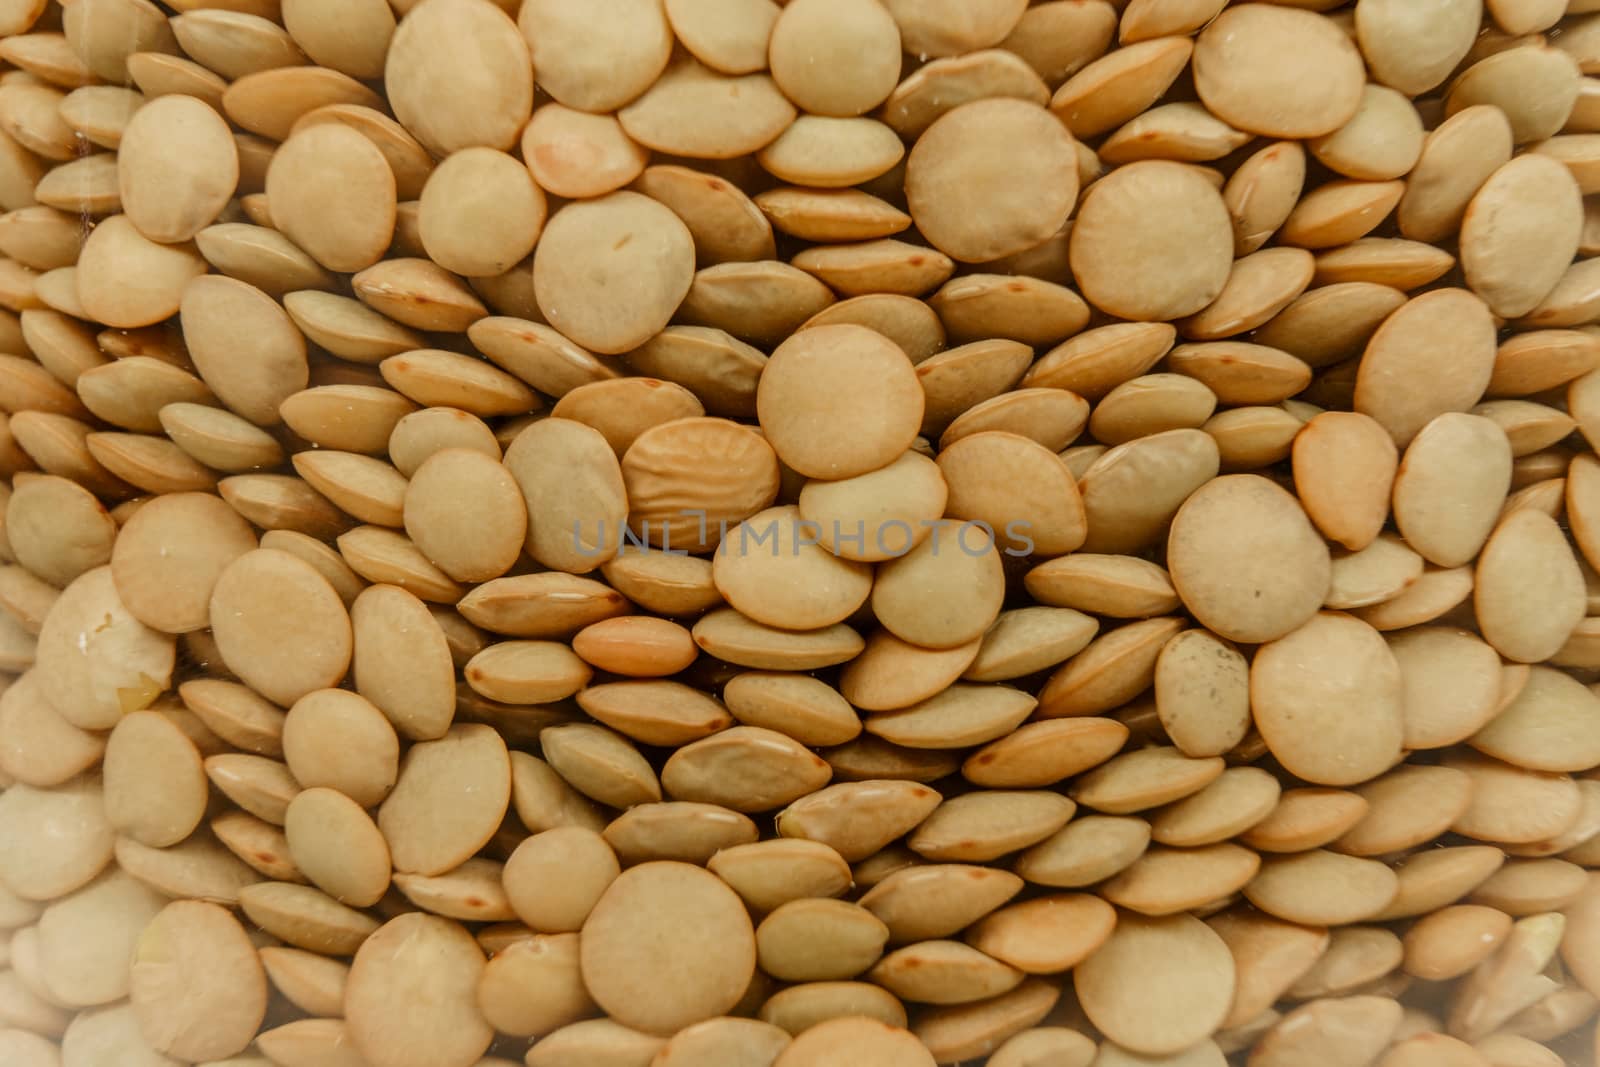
x,y
1114,669
572,489
960,716
1451,484
1043,753
1185,132
544,800
938,599
1236,801
1202,693
1403,382
575,154
1156,403
304,917
1414,48
1327,699
667,945
839,401
1535,85
411,999
1380,143
890,673
1452,941
156,788
402,661
1047,935
832,153
1246,560
1251,65
95,661
450,797
312,983
1344,468
944,972
1456,159
1407,806
533,986
982,826
724,1042
336,845
333,194
197,985
1341,1030
52,841
244,345
421,294
86,940
280,626
991,178
1550,726
858,818
1165,881
1178,961
801,707
770,568
1143,779
879,515
421,433
596,58
260,256
480,213
554,878
834,58
38,746
353,44
124,279
1306,818
170,554
745,768
547,604
1321,888
838,1041
1152,241
57,529
1512,805
526,672
1024,640
1451,684
1016,486
458,75
177,167
655,712
623,408
261,786
693,111
819,940
1379,572
769,874
1117,87
609,273
338,739
1513,255
463,510
1529,593
1132,492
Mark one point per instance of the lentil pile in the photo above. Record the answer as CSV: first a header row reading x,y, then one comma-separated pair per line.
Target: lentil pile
x,y
838,533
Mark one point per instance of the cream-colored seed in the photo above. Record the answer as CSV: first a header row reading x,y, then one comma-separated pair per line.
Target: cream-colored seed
x,y
709,517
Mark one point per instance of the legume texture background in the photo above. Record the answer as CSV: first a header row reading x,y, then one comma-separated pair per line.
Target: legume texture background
x,y
838,533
